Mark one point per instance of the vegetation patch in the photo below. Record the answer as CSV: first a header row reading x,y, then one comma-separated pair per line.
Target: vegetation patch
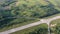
x,y
39,29
17,12
55,29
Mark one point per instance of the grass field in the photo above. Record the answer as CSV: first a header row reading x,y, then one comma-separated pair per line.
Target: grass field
x,y
18,25
31,29
29,3
56,3
52,16
55,21
21,24
56,28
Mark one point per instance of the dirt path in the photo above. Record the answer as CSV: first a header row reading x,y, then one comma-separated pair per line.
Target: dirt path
x,y
30,25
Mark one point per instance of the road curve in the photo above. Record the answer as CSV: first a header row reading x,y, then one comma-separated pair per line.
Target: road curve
x,y
30,25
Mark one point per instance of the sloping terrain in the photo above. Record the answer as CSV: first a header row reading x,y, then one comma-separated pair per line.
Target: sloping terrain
x,y
56,3
14,12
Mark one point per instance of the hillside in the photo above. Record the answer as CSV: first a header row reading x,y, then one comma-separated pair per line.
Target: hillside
x,y
14,12
56,3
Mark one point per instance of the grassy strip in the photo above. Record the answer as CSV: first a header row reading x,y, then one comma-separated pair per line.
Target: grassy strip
x,y
52,16
31,29
18,25
56,28
55,21
21,24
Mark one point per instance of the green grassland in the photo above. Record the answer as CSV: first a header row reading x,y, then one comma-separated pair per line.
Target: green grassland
x,y
52,16
55,21
56,28
32,29
25,12
56,3
16,23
